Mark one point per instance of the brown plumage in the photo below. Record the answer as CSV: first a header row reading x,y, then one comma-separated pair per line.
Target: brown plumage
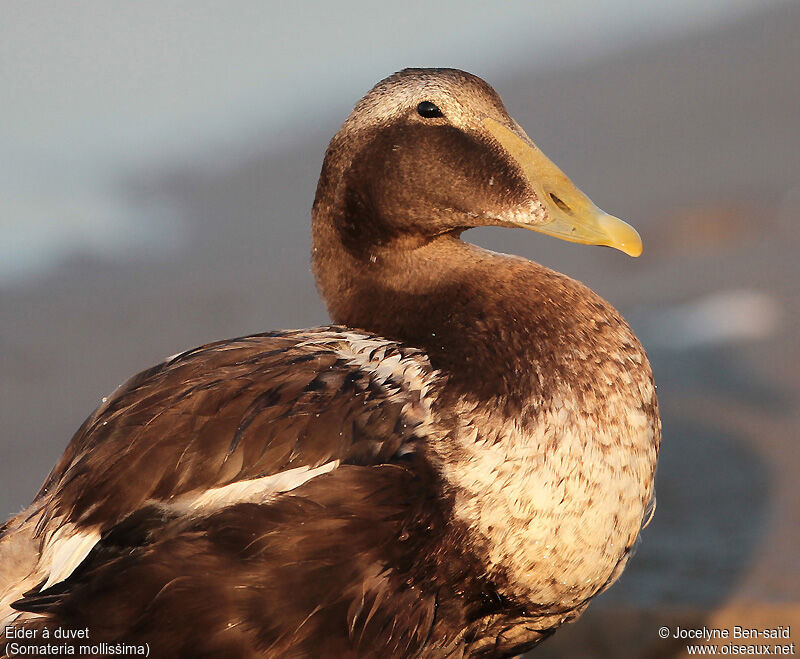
x,y
454,469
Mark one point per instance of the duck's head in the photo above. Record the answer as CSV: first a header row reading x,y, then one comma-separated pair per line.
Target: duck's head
x,y
429,152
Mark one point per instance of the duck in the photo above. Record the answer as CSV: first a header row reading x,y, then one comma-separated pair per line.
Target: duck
x,y
454,467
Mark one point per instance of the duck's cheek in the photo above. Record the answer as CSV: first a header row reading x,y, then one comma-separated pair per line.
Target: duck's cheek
x,y
434,178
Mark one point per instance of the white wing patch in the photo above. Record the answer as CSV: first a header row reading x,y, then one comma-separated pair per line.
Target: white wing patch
x,y
250,491
67,546
65,550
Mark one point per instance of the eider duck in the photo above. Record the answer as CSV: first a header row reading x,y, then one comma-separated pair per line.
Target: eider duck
x,y
454,468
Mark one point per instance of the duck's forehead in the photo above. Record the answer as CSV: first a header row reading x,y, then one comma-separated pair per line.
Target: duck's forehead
x,y
462,97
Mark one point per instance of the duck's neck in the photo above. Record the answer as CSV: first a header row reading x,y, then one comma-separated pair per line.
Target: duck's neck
x,y
500,327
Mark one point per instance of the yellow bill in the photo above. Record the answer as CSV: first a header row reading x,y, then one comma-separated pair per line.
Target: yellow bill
x,y
573,215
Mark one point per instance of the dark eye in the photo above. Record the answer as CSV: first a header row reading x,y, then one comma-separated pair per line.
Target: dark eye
x,y
428,110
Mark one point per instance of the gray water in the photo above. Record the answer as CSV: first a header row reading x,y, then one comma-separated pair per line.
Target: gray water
x,y
92,95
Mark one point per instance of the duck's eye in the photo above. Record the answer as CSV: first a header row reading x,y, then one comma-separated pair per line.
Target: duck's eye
x,y
428,110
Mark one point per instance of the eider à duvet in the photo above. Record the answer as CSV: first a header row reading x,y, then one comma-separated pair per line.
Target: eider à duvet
x,y
454,468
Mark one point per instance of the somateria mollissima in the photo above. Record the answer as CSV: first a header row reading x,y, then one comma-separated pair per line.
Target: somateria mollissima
x,y
456,467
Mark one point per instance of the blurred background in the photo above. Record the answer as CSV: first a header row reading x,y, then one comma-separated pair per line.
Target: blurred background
x,y
158,162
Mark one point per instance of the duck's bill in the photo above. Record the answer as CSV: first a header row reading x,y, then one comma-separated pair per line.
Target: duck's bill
x,y
572,214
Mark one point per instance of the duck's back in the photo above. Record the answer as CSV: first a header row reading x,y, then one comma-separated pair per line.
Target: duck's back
x,y
239,491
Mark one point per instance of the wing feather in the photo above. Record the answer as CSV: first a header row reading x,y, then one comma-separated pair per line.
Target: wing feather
x,y
241,411
249,580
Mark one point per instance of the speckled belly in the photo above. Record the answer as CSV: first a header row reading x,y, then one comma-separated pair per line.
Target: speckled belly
x,y
559,505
